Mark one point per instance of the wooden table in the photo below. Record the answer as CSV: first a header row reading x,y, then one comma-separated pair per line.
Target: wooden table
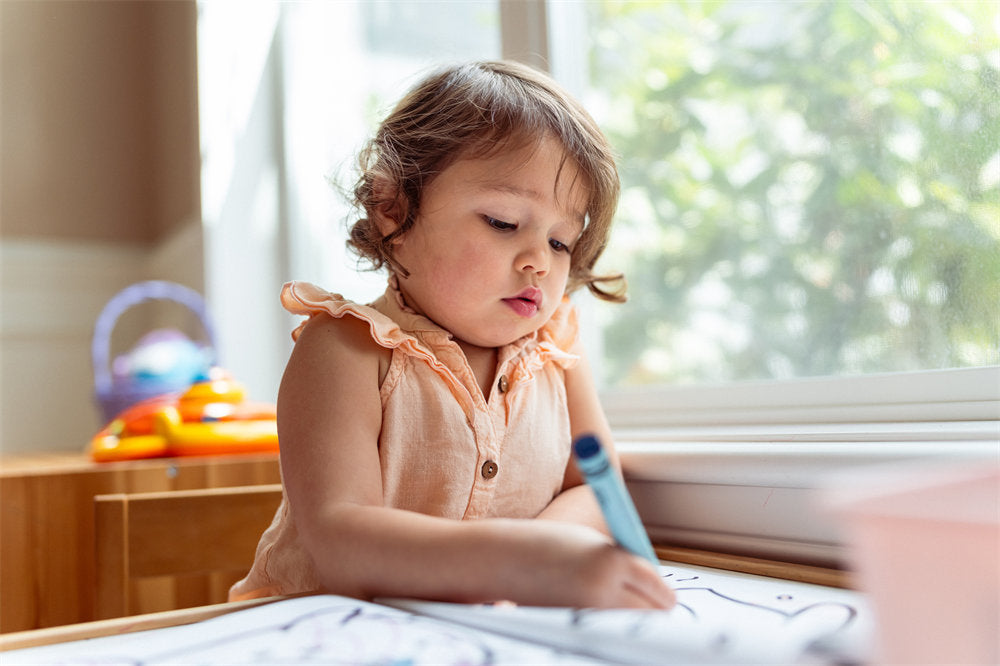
x,y
123,625
47,545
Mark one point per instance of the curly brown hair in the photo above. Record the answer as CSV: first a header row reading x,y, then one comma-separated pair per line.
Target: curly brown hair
x,y
474,110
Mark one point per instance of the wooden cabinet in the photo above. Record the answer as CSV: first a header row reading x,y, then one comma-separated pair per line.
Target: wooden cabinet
x,y
47,545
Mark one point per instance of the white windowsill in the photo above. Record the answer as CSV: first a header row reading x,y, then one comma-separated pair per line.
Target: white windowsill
x,y
765,498
787,463
742,468
971,394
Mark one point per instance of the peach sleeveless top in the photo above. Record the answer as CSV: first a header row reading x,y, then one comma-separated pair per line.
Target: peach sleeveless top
x,y
445,450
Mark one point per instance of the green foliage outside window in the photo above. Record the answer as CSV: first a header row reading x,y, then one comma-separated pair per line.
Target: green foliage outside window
x,y
808,188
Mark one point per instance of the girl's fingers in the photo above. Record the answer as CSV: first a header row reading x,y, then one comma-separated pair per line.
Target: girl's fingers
x,y
650,592
657,596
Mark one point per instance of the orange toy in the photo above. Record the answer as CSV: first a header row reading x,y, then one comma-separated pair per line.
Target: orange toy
x,y
210,418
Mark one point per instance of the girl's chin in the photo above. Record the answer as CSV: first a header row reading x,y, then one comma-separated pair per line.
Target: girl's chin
x,y
491,341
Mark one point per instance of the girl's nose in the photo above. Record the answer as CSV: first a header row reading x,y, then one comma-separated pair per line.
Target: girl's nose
x,y
534,257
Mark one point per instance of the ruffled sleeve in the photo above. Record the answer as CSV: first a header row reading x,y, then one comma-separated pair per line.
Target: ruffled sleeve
x,y
560,333
303,298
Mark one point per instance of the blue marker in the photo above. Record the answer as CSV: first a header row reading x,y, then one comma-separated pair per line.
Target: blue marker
x,y
619,511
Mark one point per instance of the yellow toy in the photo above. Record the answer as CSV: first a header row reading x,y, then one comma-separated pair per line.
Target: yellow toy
x,y
209,418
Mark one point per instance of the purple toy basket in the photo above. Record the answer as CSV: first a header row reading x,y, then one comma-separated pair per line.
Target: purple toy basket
x,y
114,396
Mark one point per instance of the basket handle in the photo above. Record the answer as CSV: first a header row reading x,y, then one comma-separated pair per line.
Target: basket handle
x,y
140,292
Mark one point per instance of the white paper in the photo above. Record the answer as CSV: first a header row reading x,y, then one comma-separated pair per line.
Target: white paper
x,y
720,618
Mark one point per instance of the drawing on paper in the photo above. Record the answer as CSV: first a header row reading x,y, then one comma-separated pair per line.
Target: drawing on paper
x,y
720,618
742,619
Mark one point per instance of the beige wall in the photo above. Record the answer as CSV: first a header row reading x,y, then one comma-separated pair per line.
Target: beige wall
x,y
99,152
99,119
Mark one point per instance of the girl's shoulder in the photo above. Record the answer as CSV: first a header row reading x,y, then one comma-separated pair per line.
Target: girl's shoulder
x,y
336,323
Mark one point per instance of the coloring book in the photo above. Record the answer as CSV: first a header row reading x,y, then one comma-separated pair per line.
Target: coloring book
x,y
721,617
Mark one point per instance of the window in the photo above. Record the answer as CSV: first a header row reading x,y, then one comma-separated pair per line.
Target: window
x,y
809,189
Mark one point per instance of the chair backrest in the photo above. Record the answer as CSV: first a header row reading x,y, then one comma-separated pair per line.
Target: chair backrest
x,y
181,533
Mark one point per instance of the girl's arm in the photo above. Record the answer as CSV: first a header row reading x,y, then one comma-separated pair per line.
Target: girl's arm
x,y
576,503
329,416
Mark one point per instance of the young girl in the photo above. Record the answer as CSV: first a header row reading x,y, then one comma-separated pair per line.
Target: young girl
x,y
425,438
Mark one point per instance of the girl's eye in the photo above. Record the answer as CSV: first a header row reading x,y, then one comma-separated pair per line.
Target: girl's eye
x,y
499,224
558,246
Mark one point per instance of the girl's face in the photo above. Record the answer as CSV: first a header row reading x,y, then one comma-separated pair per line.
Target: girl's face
x,y
489,253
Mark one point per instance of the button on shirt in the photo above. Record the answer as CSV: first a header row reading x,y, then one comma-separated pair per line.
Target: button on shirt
x,y
490,469
445,449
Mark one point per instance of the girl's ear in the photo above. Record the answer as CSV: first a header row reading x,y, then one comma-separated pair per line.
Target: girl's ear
x,y
390,209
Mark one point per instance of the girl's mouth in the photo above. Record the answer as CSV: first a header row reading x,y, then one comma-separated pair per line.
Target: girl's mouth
x,y
525,303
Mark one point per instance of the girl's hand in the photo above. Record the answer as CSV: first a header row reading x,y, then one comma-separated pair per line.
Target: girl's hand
x,y
563,564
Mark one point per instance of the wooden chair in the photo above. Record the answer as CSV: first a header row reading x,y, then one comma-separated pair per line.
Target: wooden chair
x,y
176,549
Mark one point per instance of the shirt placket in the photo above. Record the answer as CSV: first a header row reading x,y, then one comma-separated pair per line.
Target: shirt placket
x,y
490,429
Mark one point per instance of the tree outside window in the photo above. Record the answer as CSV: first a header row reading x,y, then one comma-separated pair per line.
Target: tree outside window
x,y
809,188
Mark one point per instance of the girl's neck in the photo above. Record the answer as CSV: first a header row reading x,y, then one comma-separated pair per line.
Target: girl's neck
x,y
483,361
